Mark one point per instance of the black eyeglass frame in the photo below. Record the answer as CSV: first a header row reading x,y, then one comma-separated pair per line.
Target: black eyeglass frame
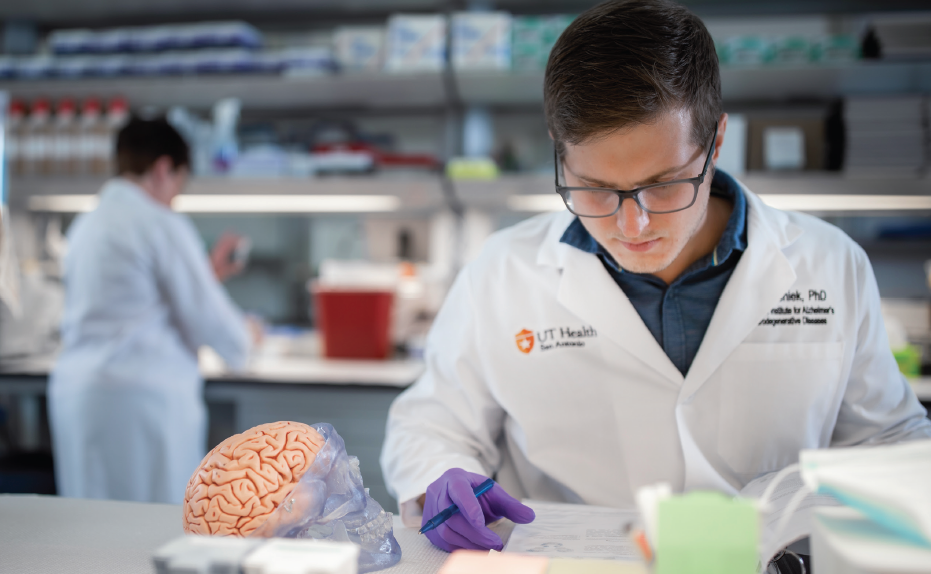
x,y
565,191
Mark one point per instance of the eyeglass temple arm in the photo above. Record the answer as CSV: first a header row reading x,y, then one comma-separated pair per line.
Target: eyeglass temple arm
x,y
714,140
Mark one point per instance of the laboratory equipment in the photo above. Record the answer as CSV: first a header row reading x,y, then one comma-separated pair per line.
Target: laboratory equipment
x,y
844,541
224,554
355,323
202,554
888,484
303,557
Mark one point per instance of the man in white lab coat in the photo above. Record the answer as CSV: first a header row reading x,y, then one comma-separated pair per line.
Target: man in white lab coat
x,y
126,401
667,327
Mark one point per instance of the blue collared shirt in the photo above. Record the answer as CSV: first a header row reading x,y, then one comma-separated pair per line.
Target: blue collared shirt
x,y
678,314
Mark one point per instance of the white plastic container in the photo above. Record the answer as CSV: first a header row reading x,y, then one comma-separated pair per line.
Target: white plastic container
x,y
287,556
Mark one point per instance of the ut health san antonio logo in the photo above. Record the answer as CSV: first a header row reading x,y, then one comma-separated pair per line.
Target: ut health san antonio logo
x,y
524,341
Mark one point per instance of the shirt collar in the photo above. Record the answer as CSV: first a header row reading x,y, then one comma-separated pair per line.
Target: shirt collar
x,y
733,239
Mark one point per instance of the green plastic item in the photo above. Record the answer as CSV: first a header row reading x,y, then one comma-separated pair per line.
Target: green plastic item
x,y
474,168
704,532
909,360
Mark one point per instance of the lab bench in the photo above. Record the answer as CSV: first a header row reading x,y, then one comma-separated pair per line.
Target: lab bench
x,y
354,396
46,534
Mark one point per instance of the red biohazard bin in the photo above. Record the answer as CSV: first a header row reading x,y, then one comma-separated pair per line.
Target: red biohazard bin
x,y
355,323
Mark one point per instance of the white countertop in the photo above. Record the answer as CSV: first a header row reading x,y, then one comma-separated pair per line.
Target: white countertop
x,y
49,534
298,370
281,369
315,370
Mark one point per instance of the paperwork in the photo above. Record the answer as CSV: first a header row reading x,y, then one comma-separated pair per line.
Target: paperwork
x,y
575,531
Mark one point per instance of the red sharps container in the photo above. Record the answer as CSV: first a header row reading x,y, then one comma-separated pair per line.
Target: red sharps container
x,y
355,322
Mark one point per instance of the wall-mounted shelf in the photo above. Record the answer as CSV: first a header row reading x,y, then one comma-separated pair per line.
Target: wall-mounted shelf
x,y
363,194
256,91
819,193
426,90
772,83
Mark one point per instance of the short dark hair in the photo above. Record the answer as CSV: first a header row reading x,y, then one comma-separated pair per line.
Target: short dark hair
x,y
626,62
141,142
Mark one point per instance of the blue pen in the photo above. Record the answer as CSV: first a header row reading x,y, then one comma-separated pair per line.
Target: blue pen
x,y
453,510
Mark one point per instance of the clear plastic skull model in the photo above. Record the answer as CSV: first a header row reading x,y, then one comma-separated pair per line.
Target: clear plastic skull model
x,y
289,480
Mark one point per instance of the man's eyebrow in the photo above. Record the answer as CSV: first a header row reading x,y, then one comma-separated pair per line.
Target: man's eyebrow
x,y
646,181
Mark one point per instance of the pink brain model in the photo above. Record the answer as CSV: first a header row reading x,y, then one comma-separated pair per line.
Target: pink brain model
x,y
244,479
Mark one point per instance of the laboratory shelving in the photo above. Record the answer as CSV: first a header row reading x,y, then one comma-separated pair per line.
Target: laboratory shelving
x,y
414,193
816,192
429,90
770,83
256,91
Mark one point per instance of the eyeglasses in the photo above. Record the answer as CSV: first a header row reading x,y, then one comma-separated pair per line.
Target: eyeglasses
x,y
665,197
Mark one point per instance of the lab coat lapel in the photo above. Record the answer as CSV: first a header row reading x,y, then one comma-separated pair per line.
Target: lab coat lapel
x,y
761,278
588,291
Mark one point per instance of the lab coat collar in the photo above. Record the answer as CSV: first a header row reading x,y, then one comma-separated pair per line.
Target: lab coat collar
x,y
762,276
587,290
552,252
120,187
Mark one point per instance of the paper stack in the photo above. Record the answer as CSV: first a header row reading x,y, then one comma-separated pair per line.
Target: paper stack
x,y
885,136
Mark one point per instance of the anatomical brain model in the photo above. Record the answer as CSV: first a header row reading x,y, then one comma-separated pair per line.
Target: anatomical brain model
x,y
244,479
289,480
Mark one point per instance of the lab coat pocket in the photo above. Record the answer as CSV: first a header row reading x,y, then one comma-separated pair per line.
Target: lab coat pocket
x,y
775,400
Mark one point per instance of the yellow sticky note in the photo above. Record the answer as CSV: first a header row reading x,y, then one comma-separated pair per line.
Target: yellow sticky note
x,y
472,561
572,566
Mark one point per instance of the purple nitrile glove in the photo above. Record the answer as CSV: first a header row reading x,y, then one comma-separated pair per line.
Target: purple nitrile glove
x,y
467,528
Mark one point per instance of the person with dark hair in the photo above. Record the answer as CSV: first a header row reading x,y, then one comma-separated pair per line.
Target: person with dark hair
x,y
668,326
126,405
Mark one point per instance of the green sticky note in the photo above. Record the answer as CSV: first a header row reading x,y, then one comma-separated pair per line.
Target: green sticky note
x,y
703,532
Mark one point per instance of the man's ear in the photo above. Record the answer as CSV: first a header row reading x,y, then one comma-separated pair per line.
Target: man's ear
x,y
719,141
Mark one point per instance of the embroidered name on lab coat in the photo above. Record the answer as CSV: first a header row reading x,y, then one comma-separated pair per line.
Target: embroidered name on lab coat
x,y
798,308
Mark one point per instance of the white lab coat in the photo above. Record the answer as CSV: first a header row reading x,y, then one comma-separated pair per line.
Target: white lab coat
x,y
596,409
125,397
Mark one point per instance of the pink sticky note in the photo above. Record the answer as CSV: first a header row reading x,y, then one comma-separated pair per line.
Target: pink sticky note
x,y
472,561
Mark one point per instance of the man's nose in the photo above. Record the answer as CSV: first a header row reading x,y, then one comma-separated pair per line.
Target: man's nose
x,y
631,219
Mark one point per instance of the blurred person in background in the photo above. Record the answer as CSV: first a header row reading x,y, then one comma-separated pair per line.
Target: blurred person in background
x,y
126,404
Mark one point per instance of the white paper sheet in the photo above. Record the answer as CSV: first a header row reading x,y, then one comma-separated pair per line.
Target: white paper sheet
x,y
799,525
575,531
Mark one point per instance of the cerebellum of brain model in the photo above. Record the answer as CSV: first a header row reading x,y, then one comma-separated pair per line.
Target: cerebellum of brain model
x,y
244,479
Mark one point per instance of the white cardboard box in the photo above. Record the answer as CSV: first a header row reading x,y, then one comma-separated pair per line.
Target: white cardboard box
x,y
416,43
481,40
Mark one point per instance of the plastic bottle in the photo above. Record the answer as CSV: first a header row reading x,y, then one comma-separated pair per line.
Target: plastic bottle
x,y
117,116
64,139
37,138
15,131
88,134
225,146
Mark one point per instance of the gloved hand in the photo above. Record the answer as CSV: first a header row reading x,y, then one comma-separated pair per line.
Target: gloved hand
x,y
467,528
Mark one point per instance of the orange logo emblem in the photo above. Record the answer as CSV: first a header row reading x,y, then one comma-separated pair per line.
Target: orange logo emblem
x,y
524,341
